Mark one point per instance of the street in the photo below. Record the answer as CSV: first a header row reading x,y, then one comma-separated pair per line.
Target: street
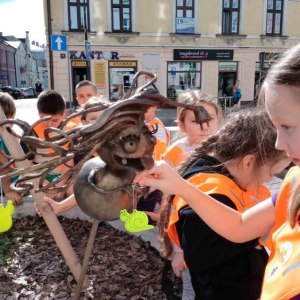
x,y
27,111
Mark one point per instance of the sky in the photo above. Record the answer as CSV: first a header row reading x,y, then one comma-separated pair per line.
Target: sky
x,y
19,16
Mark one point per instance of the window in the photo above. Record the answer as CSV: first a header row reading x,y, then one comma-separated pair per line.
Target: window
x,y
274,17
121,74
183,76
231,14
185,9
121,15
78,15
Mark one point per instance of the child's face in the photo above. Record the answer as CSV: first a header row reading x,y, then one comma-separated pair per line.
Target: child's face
x,y
55,120
84,93
93,116
283,107
193,130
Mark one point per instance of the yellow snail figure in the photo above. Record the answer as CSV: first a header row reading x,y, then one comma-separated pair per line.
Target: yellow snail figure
x,y
5,216
135,222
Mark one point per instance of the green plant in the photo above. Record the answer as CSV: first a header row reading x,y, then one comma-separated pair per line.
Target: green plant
x,y
5,243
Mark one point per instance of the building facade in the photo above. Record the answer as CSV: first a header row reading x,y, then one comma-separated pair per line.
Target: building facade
x,y
197,44
18,67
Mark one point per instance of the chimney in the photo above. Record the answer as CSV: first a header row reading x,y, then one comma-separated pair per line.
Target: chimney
x,y
1,33
33,43
37,43
43,46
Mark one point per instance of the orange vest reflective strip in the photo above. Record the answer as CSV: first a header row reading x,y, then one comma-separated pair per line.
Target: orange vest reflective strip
x,y
175,155
39,130
282,275
161,146
289,183
213,184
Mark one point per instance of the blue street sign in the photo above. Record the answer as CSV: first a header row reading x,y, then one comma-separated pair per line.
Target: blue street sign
x,y
58,42
23,82
88,50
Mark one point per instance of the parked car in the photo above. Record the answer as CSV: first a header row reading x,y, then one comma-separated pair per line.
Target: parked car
x,y
13,91
27,92
33,89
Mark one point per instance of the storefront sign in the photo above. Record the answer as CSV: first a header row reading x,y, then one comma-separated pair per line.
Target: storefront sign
x,y
185,25
100,75
94,55
122,64
272,55
78,63
202,54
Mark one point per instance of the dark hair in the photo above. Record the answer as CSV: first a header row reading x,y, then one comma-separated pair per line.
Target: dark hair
x,y
7,104
247,132
86,83
51,102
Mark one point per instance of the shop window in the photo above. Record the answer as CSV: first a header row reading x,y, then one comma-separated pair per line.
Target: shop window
x,y
121,74
227,78
121,15
79,18
183,76
274,17
231,15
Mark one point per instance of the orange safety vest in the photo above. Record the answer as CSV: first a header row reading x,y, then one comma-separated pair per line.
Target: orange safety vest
x,y
161,146
75,122
282,275
39,130
175,155
215,184
291,180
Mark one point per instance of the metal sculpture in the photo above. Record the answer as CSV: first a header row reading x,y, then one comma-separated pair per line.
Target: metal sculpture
x,y
120,137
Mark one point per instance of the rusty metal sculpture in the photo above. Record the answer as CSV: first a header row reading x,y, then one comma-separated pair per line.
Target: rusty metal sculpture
x,y
120,137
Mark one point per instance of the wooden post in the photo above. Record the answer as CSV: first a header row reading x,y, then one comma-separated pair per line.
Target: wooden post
x,y
46,210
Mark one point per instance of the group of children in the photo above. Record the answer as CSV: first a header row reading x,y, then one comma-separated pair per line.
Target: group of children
x,y
213,217
217,217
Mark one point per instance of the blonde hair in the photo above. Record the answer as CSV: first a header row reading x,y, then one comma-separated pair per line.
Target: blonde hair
x,y
93,102
286,72
197,97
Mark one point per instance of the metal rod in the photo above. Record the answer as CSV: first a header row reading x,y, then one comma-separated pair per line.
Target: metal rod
x,y
86,259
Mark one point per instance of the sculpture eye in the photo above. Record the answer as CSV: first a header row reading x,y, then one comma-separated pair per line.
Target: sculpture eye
x,y
130,144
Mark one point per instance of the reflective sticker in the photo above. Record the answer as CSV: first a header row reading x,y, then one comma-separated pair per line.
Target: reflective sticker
x,y
274,270
286,251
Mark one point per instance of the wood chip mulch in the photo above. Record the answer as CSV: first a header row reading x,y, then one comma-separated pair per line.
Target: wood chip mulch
x,y
121,267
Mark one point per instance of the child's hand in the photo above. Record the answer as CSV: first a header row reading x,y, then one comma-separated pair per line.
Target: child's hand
x,y
178,263
152,215
15,197
55,206
161,177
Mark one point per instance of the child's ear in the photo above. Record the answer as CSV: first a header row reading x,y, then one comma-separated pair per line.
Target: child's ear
x,y
248,162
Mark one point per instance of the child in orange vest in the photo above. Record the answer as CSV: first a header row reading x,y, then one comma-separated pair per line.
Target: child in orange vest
x,y
178,151
7,104
232,173
50,103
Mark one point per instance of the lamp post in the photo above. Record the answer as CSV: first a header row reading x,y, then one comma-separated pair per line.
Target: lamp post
x,y
87,46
